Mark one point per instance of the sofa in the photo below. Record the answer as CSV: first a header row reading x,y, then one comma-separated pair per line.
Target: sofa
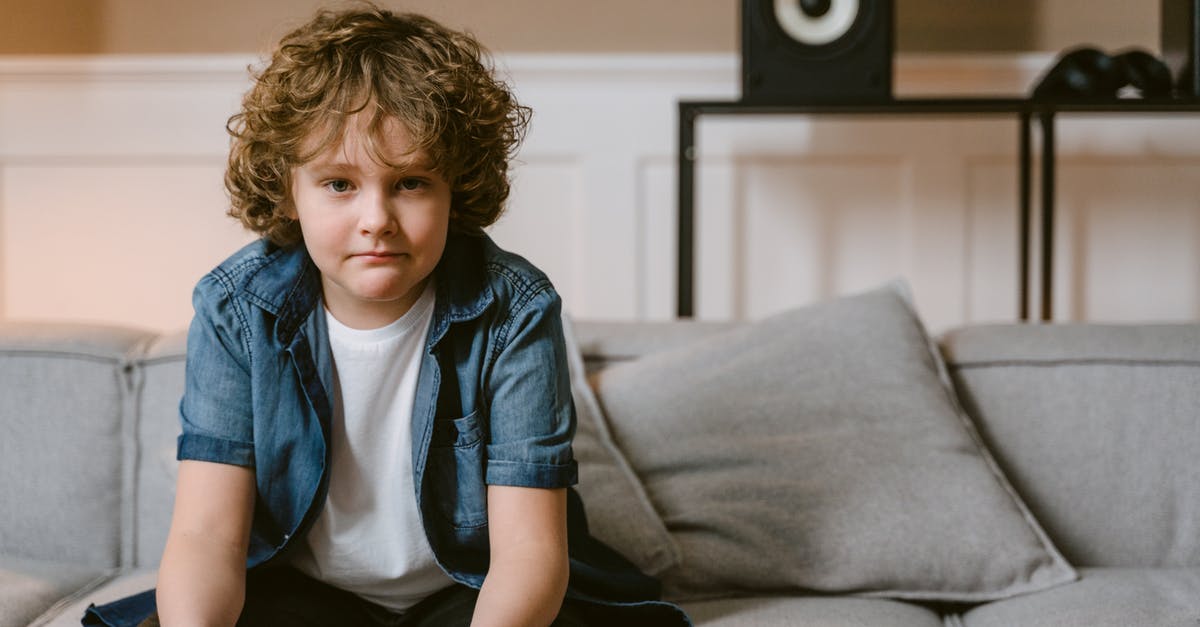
x,y
830,465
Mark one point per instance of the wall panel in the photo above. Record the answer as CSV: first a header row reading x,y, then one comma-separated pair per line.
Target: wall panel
x,y
991,264
1128,242
102,157
546,198
810,230
121,244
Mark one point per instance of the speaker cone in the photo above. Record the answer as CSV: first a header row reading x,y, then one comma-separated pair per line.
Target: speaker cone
x,y
816,22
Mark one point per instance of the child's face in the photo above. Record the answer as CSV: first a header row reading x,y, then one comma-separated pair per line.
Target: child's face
x,y
376,233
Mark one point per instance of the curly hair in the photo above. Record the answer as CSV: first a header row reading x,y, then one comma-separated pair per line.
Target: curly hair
x,y
439,83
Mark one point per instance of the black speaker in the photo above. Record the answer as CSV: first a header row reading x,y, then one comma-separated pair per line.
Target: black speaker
x,y
816,51
1180,29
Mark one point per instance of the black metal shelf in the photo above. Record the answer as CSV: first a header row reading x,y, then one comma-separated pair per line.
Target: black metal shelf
x,y
1024,109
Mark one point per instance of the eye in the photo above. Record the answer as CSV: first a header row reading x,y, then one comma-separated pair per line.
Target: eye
x,y
410,184
338,186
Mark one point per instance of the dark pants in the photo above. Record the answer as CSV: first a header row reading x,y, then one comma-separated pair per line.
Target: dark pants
x,y
283,597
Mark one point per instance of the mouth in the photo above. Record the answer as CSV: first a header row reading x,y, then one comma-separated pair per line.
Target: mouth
x,y
376,255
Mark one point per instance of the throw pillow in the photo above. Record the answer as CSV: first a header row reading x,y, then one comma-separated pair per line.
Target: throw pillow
x,y
823,450
618,510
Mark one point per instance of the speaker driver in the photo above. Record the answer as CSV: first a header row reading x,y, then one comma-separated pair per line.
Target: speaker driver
x,y
816,22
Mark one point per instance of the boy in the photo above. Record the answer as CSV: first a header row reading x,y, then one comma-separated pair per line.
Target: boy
x,y
377,418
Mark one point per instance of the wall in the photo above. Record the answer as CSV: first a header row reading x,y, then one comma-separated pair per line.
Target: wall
x,y
218,26
111,204
111,152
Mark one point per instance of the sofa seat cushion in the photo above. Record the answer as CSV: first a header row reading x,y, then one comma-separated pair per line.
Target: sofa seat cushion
x,y
1103,597
70,612
823,450
810,612
29,587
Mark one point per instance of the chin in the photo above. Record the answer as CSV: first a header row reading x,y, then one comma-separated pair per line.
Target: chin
x,y
381,296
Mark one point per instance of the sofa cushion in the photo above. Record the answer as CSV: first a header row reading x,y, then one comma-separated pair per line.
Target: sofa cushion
x,y
70,611
605,344
29,587
1103,597
67,442
808,611
160,386
1097,427
823,449
618,511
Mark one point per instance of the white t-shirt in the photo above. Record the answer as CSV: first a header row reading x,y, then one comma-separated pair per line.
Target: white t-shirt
x,y
368,539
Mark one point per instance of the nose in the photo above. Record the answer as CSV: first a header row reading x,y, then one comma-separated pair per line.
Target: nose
x,y
376,217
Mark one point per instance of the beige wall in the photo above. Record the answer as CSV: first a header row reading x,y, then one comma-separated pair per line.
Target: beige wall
x,y
206,26
114,157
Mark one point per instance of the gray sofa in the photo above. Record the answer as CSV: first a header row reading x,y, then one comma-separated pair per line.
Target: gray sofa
x,y
754,502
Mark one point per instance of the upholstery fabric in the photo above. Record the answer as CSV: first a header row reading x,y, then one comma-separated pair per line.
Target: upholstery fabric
x,y
70,611
1103,597
809,612
606,344
65,445
823,450
1098,428
158,388
29,587
618,510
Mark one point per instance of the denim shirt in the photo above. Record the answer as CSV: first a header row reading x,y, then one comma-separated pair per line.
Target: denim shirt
x,y
493,407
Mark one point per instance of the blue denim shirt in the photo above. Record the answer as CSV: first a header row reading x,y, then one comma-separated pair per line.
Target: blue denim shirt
x,y
493,406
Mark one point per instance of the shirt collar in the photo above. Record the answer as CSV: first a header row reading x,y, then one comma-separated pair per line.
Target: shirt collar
x,y
286,284
462,288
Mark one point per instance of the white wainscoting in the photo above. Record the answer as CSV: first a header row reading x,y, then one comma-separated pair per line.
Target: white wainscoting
x,y
111,204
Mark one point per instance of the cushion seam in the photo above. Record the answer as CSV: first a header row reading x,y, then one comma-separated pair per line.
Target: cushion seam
x,y
154,361
115,359
1052,363
58,607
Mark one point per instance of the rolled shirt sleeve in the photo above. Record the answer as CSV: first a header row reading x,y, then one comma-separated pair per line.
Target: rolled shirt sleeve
x,y
532,417
215,411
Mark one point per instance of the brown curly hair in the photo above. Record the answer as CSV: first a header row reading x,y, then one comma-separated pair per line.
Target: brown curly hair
x,y
437,82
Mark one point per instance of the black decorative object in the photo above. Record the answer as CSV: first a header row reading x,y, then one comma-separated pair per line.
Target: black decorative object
x,y
1180,30
1089,74
817,51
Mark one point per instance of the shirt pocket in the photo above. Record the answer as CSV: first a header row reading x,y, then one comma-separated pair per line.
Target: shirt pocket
x,y
457,463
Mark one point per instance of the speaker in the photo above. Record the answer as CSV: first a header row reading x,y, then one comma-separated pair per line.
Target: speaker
x,y
816,51
1180,30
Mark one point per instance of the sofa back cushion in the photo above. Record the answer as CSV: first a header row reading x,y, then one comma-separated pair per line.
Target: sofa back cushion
x,y
821,450
605,344
1097,427
66,443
